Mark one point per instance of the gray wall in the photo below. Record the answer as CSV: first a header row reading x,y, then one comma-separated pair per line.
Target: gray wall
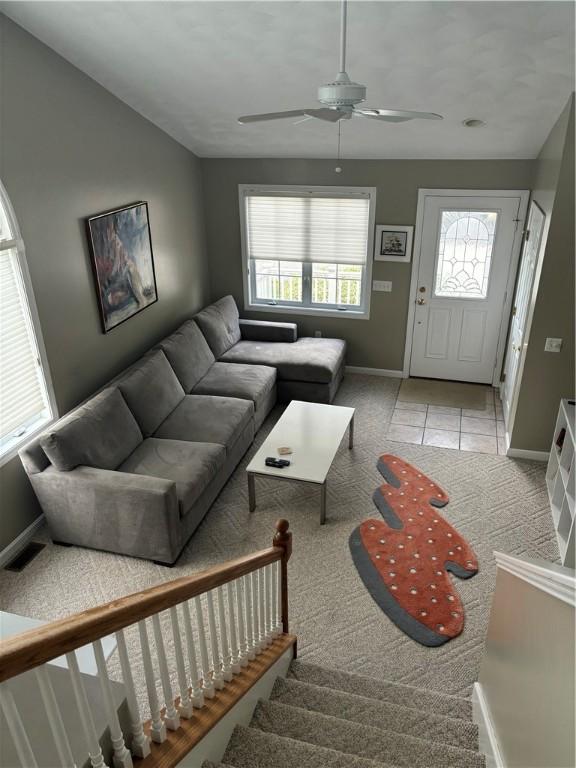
x,y
527,675
377,342
548,377
69,149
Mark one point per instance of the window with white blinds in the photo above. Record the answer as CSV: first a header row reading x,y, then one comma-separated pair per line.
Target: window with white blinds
x,y
24,401
307,247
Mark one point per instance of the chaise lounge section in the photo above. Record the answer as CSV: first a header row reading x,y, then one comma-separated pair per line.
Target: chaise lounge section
x,y
307,368
135,468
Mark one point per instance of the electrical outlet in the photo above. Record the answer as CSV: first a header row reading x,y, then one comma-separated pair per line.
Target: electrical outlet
x,y
553,345
382,285
318,334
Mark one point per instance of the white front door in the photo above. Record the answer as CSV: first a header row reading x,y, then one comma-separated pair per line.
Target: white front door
x,y
466,253
521,310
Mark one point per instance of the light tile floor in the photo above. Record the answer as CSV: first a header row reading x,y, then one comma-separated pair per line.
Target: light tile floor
x,y
462,429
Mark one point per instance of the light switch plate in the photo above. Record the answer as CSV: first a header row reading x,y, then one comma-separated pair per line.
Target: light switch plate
x,y
382,285
553,345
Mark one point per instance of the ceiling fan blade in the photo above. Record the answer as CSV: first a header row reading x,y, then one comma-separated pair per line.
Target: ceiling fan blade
x,y
329,115
396,115
273,116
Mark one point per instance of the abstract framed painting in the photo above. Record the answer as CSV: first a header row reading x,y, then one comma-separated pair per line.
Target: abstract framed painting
x,y
123,263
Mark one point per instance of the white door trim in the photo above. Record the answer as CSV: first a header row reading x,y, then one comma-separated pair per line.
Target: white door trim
x,y
524,195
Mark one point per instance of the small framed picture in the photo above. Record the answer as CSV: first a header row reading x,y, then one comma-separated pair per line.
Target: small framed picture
x,y
393,243
121,250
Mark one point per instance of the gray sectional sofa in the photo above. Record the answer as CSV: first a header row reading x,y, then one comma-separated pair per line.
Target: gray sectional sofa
x,y
135,468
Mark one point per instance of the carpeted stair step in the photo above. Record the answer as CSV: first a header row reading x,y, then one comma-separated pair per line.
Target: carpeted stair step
x,y
253,748
423,699
360,740
376,713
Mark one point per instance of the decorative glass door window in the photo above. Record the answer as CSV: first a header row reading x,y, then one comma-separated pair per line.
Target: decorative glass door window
x,y
465,254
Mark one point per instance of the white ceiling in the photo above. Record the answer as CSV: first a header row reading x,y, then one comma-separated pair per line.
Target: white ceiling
x,y
193,67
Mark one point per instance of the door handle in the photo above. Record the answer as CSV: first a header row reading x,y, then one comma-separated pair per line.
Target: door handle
x,y
421,301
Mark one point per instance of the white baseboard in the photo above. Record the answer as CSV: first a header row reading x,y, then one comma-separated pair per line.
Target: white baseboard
x,y
520,453
375,371
486,733
20,541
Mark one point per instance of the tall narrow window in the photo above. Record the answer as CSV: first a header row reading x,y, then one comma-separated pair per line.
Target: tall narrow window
x,y
307,249
25,403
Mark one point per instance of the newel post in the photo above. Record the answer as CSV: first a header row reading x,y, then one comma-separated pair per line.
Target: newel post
x,y
283,539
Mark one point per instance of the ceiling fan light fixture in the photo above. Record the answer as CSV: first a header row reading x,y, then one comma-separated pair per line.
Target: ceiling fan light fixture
x,y
473,122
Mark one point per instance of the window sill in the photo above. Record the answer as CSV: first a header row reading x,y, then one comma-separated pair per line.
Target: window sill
x,y
11,450
347,314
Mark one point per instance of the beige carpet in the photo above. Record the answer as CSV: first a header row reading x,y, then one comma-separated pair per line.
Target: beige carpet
x,y
454,394
497,503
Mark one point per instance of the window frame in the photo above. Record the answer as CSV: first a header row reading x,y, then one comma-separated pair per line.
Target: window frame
x,y
307,308
33,319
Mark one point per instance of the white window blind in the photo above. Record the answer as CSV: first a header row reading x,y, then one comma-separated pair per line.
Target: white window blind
x,y
312,228
24,402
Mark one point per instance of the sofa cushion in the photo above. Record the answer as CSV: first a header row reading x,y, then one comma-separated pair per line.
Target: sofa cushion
x,y
219,324
307,359
188,353
152,391
101,433
191,466
249,382
208,419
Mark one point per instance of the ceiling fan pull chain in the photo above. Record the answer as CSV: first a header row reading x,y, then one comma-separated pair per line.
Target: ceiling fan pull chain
x,y
338,169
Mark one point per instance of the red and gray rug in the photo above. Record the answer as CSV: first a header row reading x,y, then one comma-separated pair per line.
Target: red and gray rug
x,y
405,560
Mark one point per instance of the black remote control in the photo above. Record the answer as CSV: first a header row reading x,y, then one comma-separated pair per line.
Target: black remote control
x,y
271,461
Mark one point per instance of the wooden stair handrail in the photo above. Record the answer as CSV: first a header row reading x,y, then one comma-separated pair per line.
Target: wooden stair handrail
x,y
30,649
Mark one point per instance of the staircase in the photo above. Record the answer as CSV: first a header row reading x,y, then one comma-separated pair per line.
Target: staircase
x,y
321,718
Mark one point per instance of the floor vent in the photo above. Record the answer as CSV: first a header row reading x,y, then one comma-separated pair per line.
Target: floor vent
x,y
24,557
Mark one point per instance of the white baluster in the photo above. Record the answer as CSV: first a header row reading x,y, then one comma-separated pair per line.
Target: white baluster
x,y
171,717
217,675
185,707
262,609
197,697
279,627
140,745
242,645
207,682
90,735
234,652
274,608
250,643
16,729
256,613
54,718
226,666
268,598
122,758
158,728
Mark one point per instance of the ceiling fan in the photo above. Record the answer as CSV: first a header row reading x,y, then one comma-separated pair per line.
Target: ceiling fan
x,y
340,99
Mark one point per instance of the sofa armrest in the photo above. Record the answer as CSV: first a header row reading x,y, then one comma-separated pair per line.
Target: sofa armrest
x,y
264,330
120,512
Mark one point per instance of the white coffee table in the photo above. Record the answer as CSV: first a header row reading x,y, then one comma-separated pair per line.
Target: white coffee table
x,y
314,432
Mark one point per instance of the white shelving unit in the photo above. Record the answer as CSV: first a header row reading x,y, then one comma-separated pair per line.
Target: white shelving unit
x,y
561,481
